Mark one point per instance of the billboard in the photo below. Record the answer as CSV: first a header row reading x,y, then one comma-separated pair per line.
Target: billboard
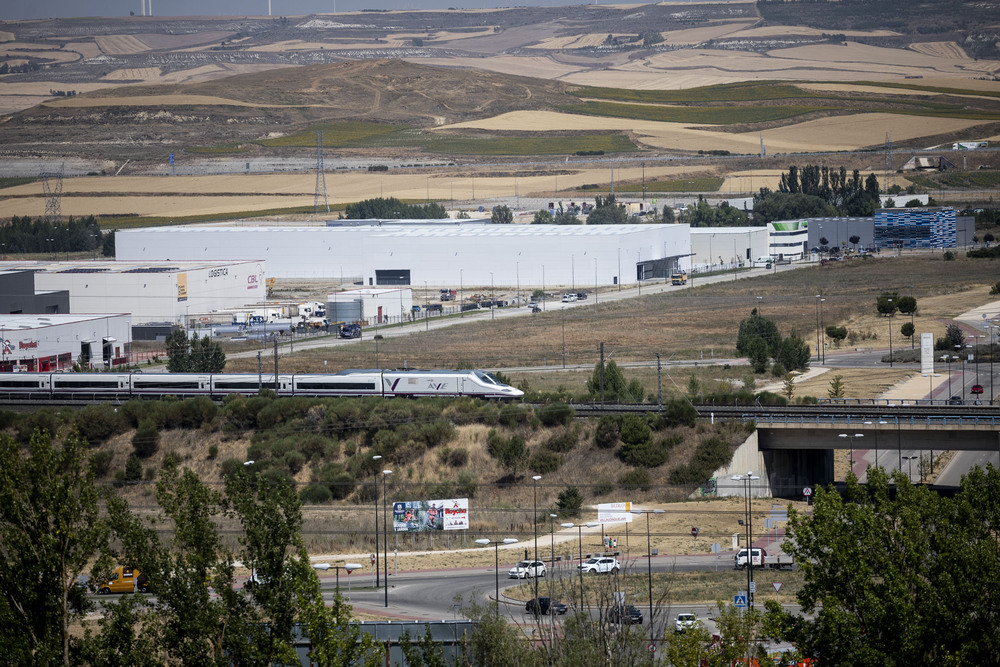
x,y
614,513
425,515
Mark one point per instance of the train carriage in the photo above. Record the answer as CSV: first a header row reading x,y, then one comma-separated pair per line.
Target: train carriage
x,y
344,383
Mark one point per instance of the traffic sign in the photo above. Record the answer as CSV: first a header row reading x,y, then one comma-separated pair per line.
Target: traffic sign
x,y
694,531
807,492
740,600
777,586
651,648
753,586
373,559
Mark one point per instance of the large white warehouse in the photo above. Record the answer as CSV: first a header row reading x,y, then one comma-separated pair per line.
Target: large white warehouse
x,y
436,254
151,291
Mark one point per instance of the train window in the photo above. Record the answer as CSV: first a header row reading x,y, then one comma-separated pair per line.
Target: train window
x,y
160,384
85,384
241,385
486,377
33,384
336,386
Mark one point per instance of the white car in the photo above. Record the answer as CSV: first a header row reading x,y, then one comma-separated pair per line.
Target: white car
x,y
685,622
601,565
527,569
568,298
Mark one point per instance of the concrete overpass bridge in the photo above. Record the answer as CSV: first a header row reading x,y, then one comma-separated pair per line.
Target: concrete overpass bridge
x,y
794,447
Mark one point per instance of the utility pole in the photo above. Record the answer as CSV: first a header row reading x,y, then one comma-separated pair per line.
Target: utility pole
x,y
602,372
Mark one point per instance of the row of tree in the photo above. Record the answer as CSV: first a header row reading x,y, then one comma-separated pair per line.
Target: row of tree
x,y
24,235
390,208
760,341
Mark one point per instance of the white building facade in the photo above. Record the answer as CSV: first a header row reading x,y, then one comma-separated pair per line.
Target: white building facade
x,y
40,343
439,255
152,291
725,248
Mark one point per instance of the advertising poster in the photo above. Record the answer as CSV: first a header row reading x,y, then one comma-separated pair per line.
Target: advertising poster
x,y
614,513
420,516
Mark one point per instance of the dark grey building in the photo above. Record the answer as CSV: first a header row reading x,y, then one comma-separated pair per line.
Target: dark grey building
x,y
18,295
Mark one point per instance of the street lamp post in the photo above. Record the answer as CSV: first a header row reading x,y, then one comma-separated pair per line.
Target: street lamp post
x,y
747,479
649,564
822,328
880,422
493,298
909,468
947,359
496,555
378,581
891,311
385,535
817,328
461,294
852,437
534,522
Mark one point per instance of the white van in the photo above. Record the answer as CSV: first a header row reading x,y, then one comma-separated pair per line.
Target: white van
x,y
764,261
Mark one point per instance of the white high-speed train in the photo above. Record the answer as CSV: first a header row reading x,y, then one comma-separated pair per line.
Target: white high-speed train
x,y
384,383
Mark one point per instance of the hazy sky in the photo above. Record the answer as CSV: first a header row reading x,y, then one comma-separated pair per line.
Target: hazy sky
x,y
13,9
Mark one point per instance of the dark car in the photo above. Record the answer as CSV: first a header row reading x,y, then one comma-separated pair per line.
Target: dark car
x,y
955,400
544,606
625,614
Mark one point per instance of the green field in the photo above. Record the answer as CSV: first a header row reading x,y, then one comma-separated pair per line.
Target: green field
x,y
682,185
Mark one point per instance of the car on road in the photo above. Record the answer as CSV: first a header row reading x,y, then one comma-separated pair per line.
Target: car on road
x,y
545,606
569,298
527,569
955,400
625,613
685,622
602,565
976,389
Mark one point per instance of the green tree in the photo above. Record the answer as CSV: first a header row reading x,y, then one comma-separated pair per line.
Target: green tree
x,y
794,353
896,574
511,453
758,327
193,355
565,218
788,386
607,211
908,330
616,388
887,303
51,528
836,333
836,389
542,217
756,353
501,215
570,501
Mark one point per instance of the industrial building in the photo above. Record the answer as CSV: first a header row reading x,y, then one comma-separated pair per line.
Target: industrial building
x,y
32,343
725,248
444,254
152,291
374,305
18,294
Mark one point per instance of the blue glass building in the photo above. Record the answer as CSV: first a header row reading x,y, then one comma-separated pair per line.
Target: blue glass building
x,y
915,228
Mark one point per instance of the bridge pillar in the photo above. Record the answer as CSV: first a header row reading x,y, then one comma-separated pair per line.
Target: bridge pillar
x,y
783,472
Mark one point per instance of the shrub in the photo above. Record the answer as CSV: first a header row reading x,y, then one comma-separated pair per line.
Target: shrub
x,y
146,439
44,420
680,412
607,432
315,494
635,430
230,467
544,462
603,488
195,412
102,462
556,414
98,423
213,452
635,479
570,501
133,469
294,461
458,457
514,415
562,442
342,485
171,460
710,455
